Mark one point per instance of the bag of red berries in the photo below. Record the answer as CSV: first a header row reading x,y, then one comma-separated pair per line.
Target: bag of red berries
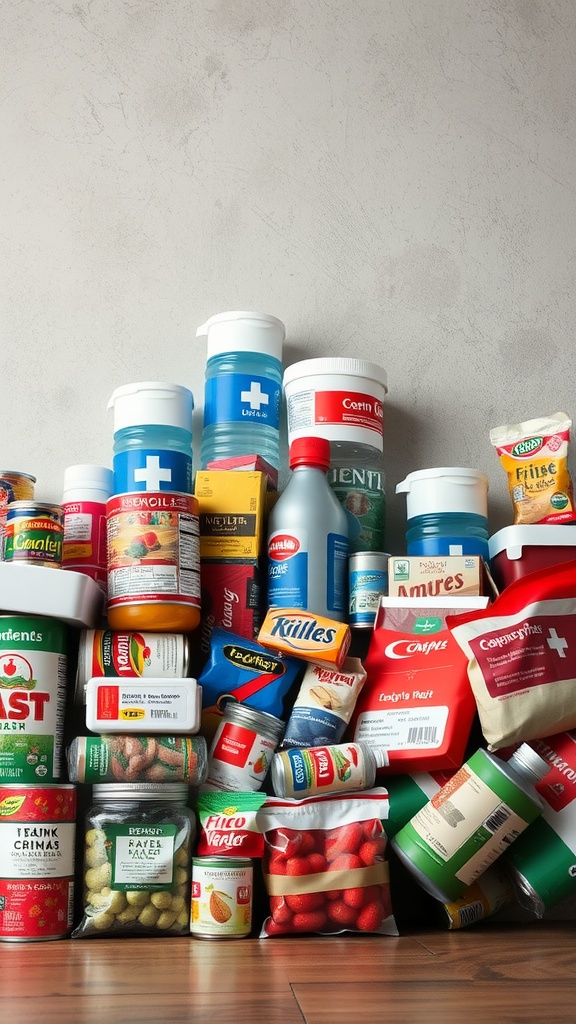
x,y
324,866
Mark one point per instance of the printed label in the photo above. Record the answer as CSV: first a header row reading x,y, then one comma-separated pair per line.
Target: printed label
x,y
242,398
239,759
412,728
529,652
221,899
142,856
153,549
84,534
152,469
323,769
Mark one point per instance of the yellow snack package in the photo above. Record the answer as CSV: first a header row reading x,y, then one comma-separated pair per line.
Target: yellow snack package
x,y
535,457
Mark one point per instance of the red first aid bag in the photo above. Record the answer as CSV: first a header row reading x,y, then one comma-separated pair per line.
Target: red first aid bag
x,y
522,657
416,701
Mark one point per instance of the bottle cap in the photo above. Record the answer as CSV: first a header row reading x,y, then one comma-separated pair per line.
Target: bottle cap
x,y
241,331
98,479
310,451
527,762
152,402
380,755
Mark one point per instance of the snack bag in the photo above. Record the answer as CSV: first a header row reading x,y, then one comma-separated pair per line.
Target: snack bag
x,y
228,826
324,866
535,457
522,657
324,704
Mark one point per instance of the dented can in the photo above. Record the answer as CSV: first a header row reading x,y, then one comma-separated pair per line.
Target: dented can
x,y
221,906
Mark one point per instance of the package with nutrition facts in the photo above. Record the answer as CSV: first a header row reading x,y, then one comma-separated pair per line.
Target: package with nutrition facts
x,y
522,657
535,457
416,701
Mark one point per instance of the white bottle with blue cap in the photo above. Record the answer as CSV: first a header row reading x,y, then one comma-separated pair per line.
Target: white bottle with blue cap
x,y
152,437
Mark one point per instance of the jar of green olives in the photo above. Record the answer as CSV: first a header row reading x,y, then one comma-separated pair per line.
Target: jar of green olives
x,y
137,861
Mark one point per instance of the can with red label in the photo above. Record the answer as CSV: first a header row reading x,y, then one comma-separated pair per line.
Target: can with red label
x,y
221,897
153,561
242,749
108,652
37,833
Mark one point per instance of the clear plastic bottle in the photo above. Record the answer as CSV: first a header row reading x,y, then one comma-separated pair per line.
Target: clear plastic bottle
x,y
243,388
152,437
336,768
472,820
308,537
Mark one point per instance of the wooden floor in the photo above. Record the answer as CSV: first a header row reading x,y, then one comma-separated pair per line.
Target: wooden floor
x,y
491,974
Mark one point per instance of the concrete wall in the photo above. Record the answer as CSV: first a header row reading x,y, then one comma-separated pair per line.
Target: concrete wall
x,y
393,180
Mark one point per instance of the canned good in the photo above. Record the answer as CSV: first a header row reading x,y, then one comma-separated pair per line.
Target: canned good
x,y
138,759
37,831
242,748
153,561
33,665
14,486
33,533
107,652
367,581
221,905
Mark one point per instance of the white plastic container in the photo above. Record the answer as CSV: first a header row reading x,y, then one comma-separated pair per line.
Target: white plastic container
x,y
143,705
340,399
86,491
446,489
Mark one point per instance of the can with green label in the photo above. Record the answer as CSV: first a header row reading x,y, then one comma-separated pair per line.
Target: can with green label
x,y
33,666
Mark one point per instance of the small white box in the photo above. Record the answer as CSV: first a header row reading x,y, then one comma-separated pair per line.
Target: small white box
x,y
143,705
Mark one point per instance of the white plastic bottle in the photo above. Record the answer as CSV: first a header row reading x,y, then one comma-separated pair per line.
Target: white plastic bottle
x,y
308,537
86,491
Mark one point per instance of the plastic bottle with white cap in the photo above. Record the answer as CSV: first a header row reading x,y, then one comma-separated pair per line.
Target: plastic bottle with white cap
x,y
243,386
86,491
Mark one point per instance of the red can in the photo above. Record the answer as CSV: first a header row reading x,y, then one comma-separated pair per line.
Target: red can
x,y
37,834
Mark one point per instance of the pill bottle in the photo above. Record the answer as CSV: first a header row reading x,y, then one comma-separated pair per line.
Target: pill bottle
x,y
243,386
152,437
336,768
138,843
86,491
471,820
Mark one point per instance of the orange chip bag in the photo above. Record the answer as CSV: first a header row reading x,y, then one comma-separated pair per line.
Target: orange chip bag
x,y
535,457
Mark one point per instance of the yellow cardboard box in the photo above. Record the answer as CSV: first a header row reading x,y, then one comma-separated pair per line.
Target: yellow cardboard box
x,y
232,512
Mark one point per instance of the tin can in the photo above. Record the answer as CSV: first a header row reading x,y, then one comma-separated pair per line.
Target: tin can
x,y
138,759
37,833
14,486
33,665
108,652
33,533
221,906
242,749
367,581
153,561
489,894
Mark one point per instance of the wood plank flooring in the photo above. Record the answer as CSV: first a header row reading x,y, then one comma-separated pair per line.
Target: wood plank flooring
x,y
491,974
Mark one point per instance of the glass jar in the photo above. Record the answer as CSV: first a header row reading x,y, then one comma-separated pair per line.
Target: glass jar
x,y
137,861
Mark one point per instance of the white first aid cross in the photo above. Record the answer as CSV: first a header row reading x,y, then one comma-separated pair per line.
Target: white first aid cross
x,y
557,643
256,398
152,475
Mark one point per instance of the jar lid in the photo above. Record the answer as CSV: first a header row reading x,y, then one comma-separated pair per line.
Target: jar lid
x,y
249,717
173,792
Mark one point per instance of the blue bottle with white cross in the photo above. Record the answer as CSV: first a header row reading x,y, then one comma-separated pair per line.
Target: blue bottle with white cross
x,y
152,437
243,386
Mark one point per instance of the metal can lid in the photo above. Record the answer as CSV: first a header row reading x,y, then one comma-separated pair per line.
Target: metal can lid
x,y
261,721
34,507
173,792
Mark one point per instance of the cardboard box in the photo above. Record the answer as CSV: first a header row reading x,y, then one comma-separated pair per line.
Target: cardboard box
x,y
232,513
434,576
232,599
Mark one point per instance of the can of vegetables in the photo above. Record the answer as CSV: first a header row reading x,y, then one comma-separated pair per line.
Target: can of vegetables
x,y
153,561
129,758
108,652
221,904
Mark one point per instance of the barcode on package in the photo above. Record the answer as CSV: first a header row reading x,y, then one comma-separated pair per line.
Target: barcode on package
x,y
163,714
423,735
497,819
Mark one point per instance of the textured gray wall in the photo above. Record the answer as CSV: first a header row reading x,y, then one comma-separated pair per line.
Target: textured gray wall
x,y
393,180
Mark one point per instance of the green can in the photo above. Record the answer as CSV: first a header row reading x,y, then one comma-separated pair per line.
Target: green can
x,y
33,670
471,821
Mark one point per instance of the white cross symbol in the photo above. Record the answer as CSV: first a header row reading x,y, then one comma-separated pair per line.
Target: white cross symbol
x,y
152,476
255,397
557,643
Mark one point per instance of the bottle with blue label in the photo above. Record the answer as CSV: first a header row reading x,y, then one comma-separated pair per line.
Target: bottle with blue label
x,y
152,437
308,537
243,386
